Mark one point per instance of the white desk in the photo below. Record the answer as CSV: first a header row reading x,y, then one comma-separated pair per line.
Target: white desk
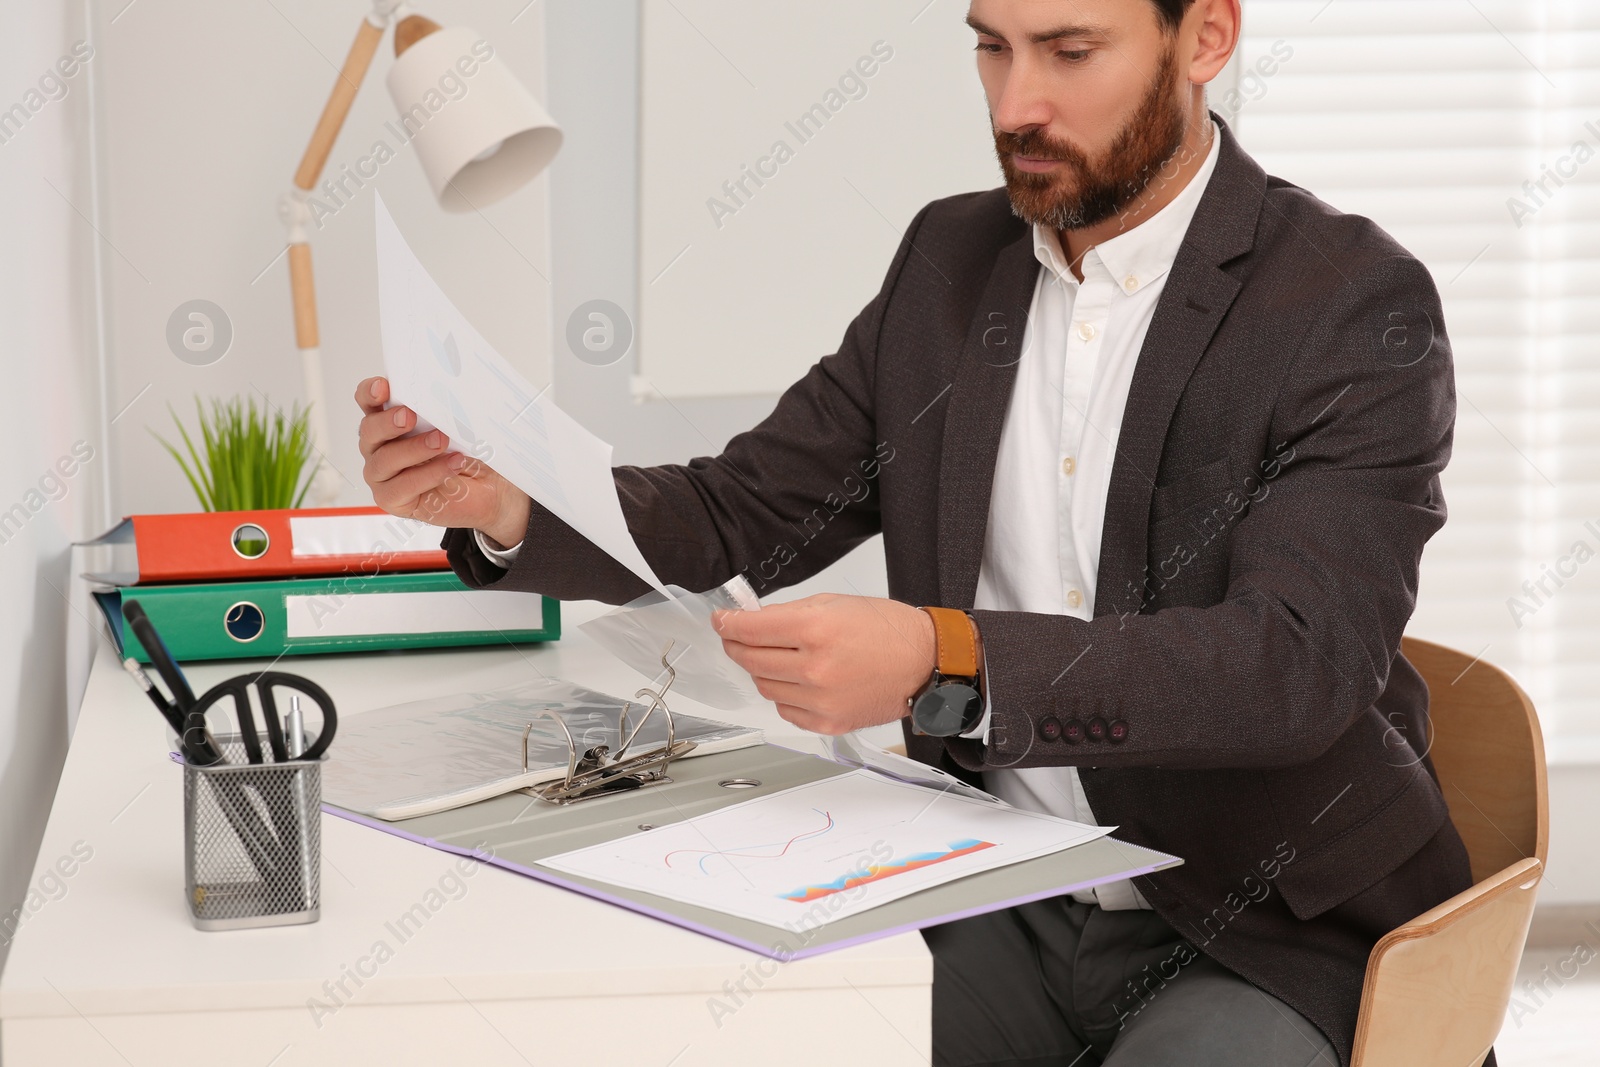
x,y
508,971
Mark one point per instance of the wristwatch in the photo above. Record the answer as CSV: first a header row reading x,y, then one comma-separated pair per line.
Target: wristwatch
x,y
951,702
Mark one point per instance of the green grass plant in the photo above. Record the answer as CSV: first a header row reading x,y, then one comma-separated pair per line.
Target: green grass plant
x,y
251,458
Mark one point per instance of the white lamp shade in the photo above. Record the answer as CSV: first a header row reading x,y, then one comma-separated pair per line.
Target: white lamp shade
x,y
478,133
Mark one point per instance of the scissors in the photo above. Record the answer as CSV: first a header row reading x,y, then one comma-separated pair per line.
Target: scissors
x,y
187,715
205,751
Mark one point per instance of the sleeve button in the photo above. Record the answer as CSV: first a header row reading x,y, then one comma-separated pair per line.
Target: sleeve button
x,y
1072,731
1097,729
1050,728
1117,731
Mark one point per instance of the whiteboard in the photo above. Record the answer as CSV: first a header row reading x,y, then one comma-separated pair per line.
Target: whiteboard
x,y
879,108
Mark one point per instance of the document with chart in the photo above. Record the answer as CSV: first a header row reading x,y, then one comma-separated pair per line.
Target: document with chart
x,y
826,850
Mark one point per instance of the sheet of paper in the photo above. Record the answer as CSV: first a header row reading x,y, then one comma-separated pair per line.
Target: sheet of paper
x,y
854,750
819,852
444,370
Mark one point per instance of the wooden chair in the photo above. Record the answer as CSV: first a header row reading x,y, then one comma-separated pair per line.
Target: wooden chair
x,y
1437,988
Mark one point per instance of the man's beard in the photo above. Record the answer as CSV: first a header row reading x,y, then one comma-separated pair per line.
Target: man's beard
x,y
1084,194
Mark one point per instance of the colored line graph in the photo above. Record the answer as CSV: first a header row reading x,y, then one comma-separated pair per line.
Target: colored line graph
x,y
876,873
742,852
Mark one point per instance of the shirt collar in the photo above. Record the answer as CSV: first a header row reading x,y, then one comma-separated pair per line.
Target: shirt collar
x,y
1136,257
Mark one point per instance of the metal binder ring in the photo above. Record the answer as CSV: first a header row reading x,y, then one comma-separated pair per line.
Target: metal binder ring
x,y
599,773
657,700
572,746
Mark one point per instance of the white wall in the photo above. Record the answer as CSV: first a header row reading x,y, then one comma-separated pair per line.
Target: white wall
x,y
52,482
208,109
744,286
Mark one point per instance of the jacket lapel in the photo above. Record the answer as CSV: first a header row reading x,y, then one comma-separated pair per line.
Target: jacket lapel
x,y
975,416
1197,296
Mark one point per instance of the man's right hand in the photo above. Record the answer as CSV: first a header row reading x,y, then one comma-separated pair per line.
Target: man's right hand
x,y
421,478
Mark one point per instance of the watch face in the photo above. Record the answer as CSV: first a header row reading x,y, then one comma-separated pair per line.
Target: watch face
x,y
947,709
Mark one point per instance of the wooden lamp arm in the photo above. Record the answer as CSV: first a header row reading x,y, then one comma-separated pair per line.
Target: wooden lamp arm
x,y
296,214
334,113
337,109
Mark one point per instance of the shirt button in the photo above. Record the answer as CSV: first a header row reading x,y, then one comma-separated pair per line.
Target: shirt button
x,y
1086,330
1068,465
1130,283
1074,598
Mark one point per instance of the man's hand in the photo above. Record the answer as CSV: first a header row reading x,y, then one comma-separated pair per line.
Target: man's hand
x,y
833,663
421,478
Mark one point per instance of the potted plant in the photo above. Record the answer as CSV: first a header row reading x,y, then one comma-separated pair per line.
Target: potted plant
x,y
252,459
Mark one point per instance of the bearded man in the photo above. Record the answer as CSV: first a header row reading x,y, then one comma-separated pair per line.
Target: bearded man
x,y
1153,440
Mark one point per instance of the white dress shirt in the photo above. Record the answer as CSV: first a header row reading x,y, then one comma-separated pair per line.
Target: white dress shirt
x,y
501,557
1041,551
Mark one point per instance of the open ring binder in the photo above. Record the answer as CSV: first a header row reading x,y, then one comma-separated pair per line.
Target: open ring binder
x,y
597,772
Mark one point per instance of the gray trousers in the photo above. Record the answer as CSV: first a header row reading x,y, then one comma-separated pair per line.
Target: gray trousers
x,y
1057,983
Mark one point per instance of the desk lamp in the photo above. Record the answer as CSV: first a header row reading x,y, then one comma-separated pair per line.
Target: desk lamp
x,y
478,133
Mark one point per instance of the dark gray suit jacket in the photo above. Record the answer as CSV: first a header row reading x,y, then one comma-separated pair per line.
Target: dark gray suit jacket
x,y
1239,698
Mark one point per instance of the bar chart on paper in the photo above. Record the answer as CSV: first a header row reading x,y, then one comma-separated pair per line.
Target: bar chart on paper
x,y
825,850
876,872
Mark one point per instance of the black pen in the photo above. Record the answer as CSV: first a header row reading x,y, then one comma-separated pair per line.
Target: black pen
x,y
168,712
197,746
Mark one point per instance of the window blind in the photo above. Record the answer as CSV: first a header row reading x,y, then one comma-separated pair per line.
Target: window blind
x,y
1470,130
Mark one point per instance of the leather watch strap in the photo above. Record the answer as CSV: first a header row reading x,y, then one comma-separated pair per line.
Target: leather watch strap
x,y
955,642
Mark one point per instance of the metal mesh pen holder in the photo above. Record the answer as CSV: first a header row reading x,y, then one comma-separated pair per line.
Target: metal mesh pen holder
x,y
252,842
